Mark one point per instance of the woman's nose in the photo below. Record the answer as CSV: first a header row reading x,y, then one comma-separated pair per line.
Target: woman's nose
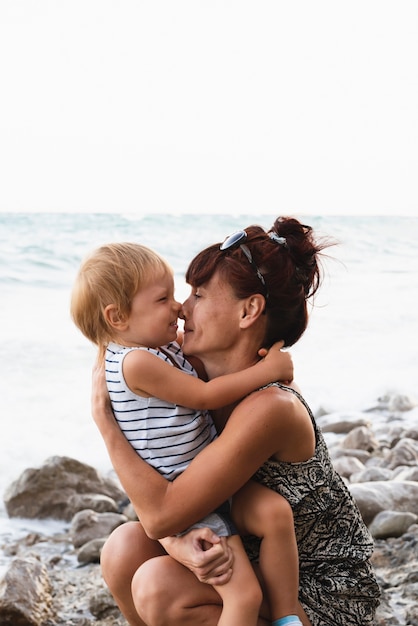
x,y
183,310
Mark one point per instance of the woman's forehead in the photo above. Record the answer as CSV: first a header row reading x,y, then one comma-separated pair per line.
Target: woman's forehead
x,y
217,285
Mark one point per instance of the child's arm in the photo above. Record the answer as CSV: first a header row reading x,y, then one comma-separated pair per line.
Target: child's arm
x,y
148,375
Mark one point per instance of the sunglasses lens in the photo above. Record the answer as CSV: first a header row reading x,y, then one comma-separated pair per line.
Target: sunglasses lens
x,y
237,239
234,240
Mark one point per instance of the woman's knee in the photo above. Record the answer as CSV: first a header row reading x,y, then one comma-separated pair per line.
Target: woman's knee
x,y
152,587
167,594
124,551
112,559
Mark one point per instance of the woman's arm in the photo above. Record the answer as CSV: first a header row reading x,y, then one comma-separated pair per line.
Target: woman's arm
x,y
146,374
165,508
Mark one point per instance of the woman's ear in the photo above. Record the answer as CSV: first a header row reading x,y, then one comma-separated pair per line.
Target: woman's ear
x,y
253,308
114,317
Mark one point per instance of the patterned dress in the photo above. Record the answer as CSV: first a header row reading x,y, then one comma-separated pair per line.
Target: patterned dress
x,y
336,582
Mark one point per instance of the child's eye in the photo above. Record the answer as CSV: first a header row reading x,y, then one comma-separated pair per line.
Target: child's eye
x,y
197,294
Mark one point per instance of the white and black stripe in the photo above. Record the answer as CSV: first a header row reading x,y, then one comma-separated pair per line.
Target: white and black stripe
x,y
166,435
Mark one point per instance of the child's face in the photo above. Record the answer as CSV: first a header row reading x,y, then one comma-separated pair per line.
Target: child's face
x,y
154,314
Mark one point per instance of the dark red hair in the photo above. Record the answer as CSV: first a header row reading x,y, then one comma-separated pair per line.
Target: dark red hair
x,y
290,267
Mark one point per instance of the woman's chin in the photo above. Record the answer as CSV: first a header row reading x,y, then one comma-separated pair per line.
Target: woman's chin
x,y
187,344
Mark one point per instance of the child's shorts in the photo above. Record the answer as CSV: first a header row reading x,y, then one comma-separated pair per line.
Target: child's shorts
x,y
220,522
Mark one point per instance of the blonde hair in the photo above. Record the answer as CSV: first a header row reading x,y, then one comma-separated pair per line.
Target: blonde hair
x,y
112,274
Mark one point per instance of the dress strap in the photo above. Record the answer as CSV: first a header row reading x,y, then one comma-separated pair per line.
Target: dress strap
x,y
169,356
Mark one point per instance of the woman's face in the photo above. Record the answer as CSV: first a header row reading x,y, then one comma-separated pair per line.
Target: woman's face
x,y
211,315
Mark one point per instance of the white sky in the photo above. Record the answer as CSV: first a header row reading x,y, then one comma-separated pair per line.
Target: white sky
x,y
216,106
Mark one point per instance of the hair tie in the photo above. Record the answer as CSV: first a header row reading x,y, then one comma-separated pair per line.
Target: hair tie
x,y
280,240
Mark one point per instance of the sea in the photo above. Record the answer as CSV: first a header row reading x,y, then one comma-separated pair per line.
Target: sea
x,y
361,343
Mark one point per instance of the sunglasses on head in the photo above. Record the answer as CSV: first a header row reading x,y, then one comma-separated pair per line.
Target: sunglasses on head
x,y
237,240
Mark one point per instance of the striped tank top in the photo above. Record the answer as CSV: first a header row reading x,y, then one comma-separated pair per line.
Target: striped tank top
x,y
165,435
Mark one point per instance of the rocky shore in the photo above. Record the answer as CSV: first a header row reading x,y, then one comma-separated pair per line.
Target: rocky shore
x,y
54,579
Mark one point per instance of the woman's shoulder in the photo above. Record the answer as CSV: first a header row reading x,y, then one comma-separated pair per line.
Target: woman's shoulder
x,y
277,395
279,406
269,403
286,419
271,423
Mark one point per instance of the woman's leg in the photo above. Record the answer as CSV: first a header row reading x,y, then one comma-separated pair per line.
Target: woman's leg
x,y
127,548
167,594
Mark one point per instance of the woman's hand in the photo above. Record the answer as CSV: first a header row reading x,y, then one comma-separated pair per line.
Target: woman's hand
x,y
205,554
101,408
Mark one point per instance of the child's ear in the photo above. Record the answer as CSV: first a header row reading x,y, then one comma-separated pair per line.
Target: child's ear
x,y
114,317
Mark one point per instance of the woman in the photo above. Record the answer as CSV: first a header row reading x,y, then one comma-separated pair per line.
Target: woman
x,y
247,293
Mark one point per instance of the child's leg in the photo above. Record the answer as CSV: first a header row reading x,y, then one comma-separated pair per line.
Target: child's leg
x,y
262,512
241,595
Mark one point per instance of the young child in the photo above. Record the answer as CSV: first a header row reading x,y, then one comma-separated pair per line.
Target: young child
x,y
123,301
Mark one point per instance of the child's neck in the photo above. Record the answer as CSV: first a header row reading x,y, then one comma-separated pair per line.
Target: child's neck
x,y
126,343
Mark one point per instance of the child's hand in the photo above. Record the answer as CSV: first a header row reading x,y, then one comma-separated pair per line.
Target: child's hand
x,y
280,362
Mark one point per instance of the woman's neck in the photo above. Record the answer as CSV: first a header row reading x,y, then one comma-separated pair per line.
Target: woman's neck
x,y
229,363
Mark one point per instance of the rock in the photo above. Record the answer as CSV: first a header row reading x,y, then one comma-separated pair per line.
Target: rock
x,y
90,551
87,525
342,423
52,490
406,473
371,474
25,597
412,433
396,563
130,512
360,438
389,435
347,465
391,524
361,455
94,501
374,497
405,452
82,599
102,605
394,402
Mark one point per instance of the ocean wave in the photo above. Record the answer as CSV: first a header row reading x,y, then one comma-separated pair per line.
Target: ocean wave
x,y
46,249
